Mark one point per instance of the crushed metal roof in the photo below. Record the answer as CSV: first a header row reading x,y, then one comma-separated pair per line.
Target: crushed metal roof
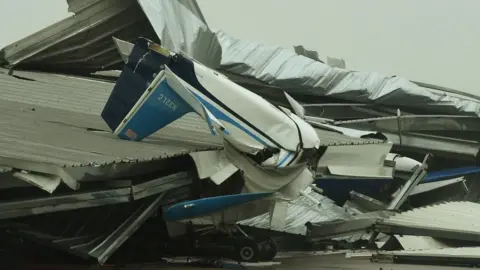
x,y
83,42
300,211
71,139
459,218
303,210
55,119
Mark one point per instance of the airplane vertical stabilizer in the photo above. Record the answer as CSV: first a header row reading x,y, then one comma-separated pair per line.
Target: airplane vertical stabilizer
x,y
142,102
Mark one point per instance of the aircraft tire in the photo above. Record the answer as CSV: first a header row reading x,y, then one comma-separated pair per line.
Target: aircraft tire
x,y
268,250
247,250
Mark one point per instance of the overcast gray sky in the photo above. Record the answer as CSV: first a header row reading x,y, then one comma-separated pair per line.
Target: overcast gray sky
x,y
434,41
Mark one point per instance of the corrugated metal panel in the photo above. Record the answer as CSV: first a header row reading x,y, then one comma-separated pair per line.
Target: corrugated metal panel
x,y
461,217
74,94
67,138
81,43
54,118
437,145
85,96
300,211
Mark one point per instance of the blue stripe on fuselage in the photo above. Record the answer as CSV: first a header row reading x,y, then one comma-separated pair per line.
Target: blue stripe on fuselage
x,y
222,116
284,159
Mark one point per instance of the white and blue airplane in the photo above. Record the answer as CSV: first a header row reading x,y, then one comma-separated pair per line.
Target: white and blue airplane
x,y
275,150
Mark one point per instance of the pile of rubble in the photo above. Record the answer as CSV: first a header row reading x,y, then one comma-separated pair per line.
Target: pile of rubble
x,y
69,184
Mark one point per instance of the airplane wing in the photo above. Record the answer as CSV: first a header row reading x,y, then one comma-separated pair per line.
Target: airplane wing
x,y
431,176
450,173
341,186
207,206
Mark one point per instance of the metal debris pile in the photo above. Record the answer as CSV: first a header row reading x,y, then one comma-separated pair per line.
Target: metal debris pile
x,y
67,182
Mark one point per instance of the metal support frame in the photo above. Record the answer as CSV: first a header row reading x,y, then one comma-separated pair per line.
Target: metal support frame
x,y
78,200
399,124
365,202
418,176
108,228
108,246
329,230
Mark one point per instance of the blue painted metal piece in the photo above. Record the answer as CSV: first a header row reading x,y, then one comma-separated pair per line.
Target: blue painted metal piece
x,y
132,83
162,107
450,173
142,66
338,189
206,206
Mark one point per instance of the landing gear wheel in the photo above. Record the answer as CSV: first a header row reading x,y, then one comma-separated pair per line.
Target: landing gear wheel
x,y
269,250
247,250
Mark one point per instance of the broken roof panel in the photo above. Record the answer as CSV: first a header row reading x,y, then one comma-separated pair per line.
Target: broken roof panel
x,y
452,220
297,74
56,119
300,75
300,211
81,43
54,91
73,139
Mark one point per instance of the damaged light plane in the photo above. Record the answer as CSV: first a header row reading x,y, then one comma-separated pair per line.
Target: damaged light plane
x,y
273,151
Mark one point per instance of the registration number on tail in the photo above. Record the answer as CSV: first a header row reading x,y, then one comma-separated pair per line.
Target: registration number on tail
x,y
167,102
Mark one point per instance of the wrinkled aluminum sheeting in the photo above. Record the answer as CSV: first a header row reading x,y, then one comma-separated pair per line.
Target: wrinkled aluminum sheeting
x,y
303,210
301,75
181,27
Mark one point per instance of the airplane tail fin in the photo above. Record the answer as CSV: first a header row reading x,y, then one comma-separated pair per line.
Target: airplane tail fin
x,y
142,102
